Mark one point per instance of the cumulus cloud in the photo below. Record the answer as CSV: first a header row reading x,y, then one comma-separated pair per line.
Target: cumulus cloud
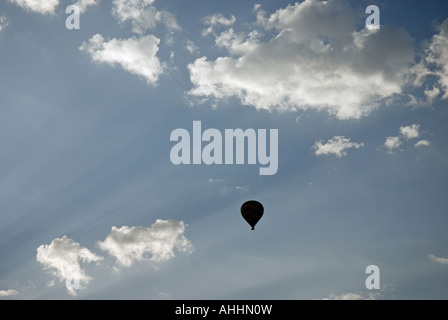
x,y
84,4
431,73
315,59
214,20
136,55
155,243
410,132
143,15
432,94
437,55
39,6
191,46
8,293
422,143
392,143
438,259
3,23
336,145
63,257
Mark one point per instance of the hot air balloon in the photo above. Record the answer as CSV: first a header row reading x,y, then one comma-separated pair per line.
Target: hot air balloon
x,y
252,211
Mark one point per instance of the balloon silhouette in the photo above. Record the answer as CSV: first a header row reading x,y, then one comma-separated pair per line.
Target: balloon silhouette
x,y
252,211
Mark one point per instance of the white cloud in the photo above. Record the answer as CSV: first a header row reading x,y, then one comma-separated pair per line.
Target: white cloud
x,y
212,180
8,293
3,23
39,6
84,4
143,15
354,296
227,189
410,132
238,43
392,143
129,9
432,94
336,145
437,259
131,244
315,59
191,47
214,20
422,143
136,55
434,64
170,21
437,55
63,256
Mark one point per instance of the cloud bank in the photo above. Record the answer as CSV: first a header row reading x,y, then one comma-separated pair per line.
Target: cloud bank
x,y
315,59
64,258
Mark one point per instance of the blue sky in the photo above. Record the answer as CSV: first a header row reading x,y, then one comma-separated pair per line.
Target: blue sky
x,y
87,185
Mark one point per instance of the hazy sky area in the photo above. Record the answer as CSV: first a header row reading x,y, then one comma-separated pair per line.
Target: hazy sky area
x,y
88,188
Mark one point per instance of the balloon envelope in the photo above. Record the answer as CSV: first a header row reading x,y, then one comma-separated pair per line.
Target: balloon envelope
x,y
252,211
